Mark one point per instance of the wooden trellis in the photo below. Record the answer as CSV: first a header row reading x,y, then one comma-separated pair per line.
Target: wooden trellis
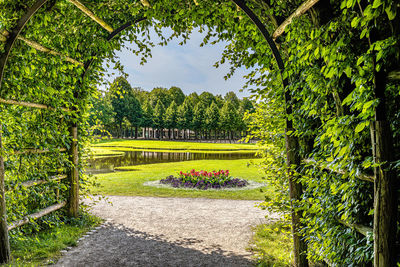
x,y
382,179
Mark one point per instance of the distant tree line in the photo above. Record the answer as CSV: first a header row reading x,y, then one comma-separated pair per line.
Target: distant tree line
x,y
124,111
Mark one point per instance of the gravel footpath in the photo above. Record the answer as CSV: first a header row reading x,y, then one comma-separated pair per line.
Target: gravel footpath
x,y
149,231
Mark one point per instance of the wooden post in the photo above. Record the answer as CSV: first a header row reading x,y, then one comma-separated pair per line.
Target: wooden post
x,y
73,202
295,192
4,242
293,158
385,189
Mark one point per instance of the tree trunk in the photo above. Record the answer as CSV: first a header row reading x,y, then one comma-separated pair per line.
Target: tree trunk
x,y
4,241
136,132
385,187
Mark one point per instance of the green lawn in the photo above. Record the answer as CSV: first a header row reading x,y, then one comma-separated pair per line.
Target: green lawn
x,y
272,245
172,145
44,247
130,183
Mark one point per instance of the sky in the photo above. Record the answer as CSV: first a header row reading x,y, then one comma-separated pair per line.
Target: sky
x,y
189,67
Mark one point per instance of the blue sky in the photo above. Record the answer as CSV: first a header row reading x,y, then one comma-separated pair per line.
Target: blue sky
x,y
189,67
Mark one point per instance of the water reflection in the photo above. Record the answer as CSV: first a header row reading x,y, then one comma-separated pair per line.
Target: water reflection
x,y
130,158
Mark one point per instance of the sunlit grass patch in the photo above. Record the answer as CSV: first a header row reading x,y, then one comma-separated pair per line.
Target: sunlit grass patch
x,y
173,145
272,245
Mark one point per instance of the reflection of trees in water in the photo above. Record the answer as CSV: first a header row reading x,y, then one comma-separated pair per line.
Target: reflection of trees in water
x,y
131,158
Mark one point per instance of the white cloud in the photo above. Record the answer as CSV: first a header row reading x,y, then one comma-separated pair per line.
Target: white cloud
x,y
189,67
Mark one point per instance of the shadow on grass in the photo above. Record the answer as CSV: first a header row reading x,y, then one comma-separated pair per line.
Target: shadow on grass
x,y
116,245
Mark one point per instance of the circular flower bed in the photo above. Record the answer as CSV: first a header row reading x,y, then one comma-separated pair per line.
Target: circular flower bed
x,y
204,180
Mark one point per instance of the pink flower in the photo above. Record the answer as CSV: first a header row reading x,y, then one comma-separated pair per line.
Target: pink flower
x,y
181,173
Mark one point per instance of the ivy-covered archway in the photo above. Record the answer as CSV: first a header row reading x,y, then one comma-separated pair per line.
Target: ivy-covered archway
x,y
51,63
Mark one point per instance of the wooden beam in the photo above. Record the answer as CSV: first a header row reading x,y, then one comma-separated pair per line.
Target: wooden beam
x,y
299,11
90,14
146,3
73,200
29,105
38,151
37,46
361,176
362,229
394,75
36,215
4,240
44,49
31,183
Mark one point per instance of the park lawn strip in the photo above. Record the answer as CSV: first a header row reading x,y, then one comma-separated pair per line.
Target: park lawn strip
x,y
130,182
44,247
104,152
173,145
98,152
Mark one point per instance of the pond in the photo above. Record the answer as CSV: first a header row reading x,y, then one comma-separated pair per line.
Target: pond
x,y
130,158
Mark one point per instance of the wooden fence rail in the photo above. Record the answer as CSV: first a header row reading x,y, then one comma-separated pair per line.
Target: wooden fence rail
x,y
30,105
361,176
36,215
362,229
38,151
31,183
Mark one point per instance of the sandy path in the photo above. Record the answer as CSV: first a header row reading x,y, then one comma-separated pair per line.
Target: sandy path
x,y
149,231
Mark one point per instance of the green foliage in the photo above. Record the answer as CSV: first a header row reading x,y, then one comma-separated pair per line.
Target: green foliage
x,y
212,116
170,116
176,95
159,112
198,117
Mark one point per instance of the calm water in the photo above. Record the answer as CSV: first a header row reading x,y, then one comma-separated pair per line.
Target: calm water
x,y
130,158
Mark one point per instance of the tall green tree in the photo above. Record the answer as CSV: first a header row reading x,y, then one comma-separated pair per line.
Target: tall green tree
x,y
193,98
228,118
170,119
198,123
119,90
176,95
147,119
134,112
185,116
160,94
212,118
158,118
232,97
206,99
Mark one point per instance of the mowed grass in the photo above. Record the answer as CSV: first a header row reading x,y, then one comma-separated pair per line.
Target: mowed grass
x,y
130,183
119,151
173,145
272,246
